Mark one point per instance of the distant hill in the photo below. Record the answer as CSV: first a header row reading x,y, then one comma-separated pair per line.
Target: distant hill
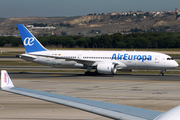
x,y
92,25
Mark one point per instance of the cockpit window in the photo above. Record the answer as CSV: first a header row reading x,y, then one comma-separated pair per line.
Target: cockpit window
x,y
169,58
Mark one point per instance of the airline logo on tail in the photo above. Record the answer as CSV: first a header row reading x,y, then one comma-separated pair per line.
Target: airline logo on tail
x,y
31,44
28,41
6,78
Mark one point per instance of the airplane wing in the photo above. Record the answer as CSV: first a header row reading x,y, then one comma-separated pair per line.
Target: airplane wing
x,y
78,60
110,110
66,58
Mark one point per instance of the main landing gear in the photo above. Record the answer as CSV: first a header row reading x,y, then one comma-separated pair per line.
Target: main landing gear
x,y
162,72
88,72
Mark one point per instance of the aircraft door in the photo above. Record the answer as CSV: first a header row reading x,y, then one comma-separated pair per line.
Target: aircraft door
x,y
163,61
79,56
157,59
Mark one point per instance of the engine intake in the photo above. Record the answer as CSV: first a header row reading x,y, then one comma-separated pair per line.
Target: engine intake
x,y
106,68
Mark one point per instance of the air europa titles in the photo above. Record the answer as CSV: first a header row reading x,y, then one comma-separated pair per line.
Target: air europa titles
x,y
6,78
131,57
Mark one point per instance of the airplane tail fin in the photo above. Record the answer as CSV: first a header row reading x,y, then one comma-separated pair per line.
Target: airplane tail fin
x,y
31,44
5,80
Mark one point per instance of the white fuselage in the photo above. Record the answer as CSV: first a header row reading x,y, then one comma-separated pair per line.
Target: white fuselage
x,y
125,59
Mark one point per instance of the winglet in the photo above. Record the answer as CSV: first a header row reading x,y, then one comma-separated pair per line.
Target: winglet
x,y
5,80
31,44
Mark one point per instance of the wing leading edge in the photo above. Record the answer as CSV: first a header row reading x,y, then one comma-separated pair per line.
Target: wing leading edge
x,y
115,111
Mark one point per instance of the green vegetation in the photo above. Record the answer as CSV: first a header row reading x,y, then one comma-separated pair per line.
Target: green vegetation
x,y
117,40
64,25
39,24
10,40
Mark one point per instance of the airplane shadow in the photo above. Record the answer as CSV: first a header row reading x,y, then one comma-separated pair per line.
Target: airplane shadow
x,y
60,75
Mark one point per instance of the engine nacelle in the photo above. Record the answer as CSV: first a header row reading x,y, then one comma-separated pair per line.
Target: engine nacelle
x,y
106,68
172,114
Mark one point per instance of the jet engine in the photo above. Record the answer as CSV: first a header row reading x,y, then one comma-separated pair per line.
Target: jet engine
x,y
172,114
106,68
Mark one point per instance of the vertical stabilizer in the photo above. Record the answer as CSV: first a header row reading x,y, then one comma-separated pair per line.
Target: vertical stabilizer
x,y
5,80
31,44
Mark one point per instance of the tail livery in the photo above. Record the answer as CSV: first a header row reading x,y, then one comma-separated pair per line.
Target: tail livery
x,y
5,80
31,44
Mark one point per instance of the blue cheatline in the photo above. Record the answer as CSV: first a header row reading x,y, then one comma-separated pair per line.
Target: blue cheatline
x,y
31,44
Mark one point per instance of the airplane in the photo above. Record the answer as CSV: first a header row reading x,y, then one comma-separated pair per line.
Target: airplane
x,y
109,110
104,62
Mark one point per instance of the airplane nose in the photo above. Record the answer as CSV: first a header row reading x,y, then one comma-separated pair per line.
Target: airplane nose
x,y
176,64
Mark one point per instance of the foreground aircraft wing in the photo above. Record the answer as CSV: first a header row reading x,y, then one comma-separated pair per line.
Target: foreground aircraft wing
x,y
110,110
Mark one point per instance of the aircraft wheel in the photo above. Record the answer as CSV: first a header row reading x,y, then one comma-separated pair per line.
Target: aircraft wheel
x,y
95,73
162,74
86,73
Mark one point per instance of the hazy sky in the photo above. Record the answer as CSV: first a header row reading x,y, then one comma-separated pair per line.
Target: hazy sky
x,y
52,8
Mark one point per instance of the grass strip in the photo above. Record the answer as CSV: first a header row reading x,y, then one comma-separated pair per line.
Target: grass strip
x,y
18,63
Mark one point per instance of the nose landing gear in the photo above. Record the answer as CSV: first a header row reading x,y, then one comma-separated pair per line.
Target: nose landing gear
x,y
162,72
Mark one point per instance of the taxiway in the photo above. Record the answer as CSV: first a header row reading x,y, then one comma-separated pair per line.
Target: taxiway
x,y
153,92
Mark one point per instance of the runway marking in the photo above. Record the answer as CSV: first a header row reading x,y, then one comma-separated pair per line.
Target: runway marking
x,y
1,107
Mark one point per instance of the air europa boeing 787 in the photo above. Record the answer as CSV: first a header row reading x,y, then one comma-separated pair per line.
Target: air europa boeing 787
x,y
104,62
